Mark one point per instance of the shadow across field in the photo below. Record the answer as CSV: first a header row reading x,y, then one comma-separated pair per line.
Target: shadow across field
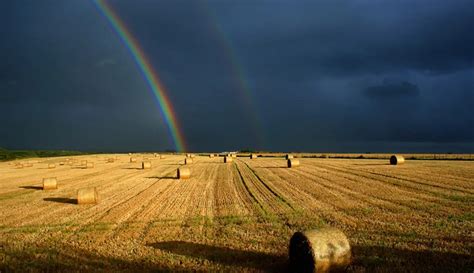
x,y
385,259
226,256
66,258
63,200
38,188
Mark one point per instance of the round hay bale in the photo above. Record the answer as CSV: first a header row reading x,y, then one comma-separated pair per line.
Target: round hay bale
x,y
188,155
110,160
61,163
129,154
293,163
184,173
397,159
162,156
50,183
253,156
133,159
146,165
87,196
90,165
227,159
319,250
188,160
211,155
289,156
193,155
51,166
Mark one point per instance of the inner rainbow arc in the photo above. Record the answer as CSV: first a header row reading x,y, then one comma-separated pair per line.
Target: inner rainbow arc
x,y
147,70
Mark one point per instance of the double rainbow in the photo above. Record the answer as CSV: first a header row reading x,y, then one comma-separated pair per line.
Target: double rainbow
x,y
147,70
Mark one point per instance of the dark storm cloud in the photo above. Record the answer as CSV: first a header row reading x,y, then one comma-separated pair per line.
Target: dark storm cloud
x,y
392,90
323,75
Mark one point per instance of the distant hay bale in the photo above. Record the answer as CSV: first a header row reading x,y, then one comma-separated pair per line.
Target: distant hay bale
x,y
162,156
129,154
319,250
193,155
156,155
293,163
146,165
51,166
90,165
289,156
61,163
87,196
110,160
253,156
397,159
211,155
133,159
188,155
50,183
184,173
188,160
227,159
233,155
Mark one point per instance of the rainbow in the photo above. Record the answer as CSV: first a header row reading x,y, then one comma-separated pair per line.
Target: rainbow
x,y
237,70
147,70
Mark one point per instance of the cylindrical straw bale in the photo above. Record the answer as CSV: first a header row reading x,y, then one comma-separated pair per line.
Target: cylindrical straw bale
x,y
289,156
162,156
87,196
397,159
133,159
188,160
50,183
146,165
253,156
227,159
184,173
319,250
51,166
211,155
293,163
110,160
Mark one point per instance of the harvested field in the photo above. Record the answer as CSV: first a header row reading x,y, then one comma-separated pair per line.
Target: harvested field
x,y
236,216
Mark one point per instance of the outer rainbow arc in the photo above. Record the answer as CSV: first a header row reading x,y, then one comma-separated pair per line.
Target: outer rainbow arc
x,y
146,68
238,72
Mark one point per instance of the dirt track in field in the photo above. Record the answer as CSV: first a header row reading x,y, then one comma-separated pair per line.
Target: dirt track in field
x,y
238,216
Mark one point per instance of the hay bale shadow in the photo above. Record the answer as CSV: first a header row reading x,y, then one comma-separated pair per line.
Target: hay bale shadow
x,y
372,164
63,200
162,177
38,188
226,256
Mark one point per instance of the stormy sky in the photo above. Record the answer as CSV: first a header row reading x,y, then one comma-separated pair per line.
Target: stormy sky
x,y
322,76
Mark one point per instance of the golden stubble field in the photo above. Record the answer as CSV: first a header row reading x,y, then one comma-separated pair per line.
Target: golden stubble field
x,y
238,216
